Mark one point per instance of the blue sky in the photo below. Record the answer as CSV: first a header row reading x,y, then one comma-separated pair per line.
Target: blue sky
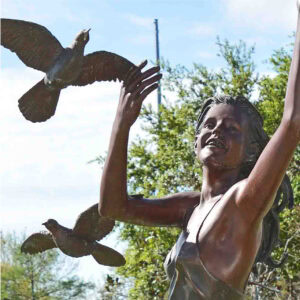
x,y
44,166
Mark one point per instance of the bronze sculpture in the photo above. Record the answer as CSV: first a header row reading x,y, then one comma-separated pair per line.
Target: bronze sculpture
x,y
79,241
223,231
39,49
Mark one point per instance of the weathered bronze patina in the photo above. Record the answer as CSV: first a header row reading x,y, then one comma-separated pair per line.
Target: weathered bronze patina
x,y
39,49
243,173
79,241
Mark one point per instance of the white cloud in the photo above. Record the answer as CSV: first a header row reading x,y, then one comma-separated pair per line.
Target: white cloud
x,y
142,39
47,162
28,10
140,21
202,30
205,54
44,165
262,14
44,170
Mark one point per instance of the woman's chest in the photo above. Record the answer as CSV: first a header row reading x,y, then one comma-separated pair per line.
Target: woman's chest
x,y
213,225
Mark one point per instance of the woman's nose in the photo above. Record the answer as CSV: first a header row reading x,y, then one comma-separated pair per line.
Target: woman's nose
x,y
217,130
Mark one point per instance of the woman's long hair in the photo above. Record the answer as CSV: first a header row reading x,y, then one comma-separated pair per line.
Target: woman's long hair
x,y
258,140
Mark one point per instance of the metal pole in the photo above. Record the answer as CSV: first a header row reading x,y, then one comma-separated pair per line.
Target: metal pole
x,y
157,61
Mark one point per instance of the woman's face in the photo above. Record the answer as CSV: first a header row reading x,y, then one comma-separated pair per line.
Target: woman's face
x,y
222,140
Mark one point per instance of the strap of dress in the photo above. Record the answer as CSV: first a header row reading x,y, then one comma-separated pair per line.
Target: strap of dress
x,y
197,236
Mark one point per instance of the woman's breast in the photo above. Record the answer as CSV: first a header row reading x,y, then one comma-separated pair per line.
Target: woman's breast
x,y
225,244
189,277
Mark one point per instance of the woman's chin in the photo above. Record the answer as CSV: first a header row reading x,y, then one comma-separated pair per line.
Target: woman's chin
x,y
212,161
216,162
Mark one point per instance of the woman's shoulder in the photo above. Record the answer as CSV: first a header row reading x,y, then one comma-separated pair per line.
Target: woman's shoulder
x,y
240,201
190,201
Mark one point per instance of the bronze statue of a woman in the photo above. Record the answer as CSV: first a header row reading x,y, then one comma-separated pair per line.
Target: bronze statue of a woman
x,y
243,176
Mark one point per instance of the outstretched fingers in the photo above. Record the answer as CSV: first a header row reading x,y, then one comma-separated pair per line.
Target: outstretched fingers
x,y
134,72
146,83
137,84
141,81
136,87
147,91
145,75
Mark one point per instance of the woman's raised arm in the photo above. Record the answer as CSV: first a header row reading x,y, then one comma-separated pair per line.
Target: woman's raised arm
x,y
256,194
114,200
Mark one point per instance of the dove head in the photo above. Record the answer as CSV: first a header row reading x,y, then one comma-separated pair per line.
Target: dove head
x,y
51,225
81,39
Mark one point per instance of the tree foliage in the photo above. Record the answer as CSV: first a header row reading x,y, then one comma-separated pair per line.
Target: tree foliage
x,y
45,276
114,289
271,104
162,161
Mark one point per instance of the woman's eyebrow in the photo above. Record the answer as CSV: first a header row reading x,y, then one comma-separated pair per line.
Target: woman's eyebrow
x,y
231,119
209,119
236,123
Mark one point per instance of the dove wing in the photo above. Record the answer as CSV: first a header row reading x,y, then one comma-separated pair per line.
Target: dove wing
x,y
103,66
91,226
38,242
34,44
107,256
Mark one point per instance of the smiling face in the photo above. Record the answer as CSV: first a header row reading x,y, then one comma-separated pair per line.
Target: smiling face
x,y
222,140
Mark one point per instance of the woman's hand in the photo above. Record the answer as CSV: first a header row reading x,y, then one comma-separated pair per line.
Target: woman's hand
x,y
135,88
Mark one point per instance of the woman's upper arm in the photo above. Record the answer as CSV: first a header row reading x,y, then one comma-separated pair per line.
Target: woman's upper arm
x,y
256,193
166,211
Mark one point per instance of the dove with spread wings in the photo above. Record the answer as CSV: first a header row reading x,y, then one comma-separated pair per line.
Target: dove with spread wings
x,y
89,228
39,49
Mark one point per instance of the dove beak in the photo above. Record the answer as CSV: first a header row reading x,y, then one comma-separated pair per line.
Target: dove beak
x,y
86,34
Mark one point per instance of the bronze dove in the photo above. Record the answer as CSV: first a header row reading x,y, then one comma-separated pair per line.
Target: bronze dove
x,y
39,49
79,241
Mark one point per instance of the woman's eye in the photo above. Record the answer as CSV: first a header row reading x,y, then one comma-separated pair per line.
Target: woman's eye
x,y
209,125
232,128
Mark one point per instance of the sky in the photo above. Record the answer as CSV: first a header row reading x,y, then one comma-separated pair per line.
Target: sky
x,y
45,170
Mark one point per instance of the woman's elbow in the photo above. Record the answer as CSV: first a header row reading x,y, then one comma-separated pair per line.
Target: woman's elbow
x,y
104,206
293,125
110,209
103,212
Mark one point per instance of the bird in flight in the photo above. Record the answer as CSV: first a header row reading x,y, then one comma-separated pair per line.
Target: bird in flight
x,y
39,49
89,228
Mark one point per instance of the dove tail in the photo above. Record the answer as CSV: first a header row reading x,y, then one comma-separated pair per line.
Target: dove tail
x,y
39,103
107,256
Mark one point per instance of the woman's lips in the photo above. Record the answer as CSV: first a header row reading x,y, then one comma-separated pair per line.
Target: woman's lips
x,y
215,143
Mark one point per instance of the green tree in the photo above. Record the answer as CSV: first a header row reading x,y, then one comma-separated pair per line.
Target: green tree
x,y
286,280
162,161
45,276
114,289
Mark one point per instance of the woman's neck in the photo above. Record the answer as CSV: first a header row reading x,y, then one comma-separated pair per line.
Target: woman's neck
x,y
216,182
